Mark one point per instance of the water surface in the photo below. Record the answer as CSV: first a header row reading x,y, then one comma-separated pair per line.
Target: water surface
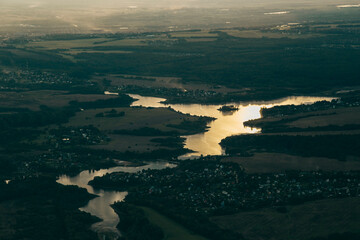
x,y
226,123
100,206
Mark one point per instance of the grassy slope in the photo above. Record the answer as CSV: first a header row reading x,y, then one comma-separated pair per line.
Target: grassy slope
x,y
172,230
302,222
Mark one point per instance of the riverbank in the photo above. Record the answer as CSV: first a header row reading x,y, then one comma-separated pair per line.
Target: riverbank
x,y
175,192
101,206
321,130
146,223
43,209
88,142
197,191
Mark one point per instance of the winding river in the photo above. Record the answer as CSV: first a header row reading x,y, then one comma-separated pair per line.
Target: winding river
x,y
226,124
100,206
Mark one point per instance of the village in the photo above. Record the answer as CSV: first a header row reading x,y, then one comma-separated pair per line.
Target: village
x,y
35,78
212,187
63,151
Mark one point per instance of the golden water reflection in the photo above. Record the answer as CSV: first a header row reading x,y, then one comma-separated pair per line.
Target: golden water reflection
x,y
225,125
205,143
100,206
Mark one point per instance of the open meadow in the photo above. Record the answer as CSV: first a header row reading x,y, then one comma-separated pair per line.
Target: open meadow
x,y
302,222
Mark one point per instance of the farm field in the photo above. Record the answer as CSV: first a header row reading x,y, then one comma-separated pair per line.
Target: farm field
x,y
322,218
172,230
279,162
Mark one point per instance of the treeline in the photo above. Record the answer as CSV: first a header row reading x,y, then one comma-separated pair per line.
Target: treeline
x,y
134,224
351,99
285,63
16,127
45,210
40,118
332,146
48,115
46,187
294,109
300,63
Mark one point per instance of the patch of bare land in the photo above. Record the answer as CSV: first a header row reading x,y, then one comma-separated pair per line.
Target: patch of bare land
x,y
301,222
279,162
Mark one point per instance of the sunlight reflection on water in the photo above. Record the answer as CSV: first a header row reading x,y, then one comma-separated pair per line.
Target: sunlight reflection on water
x,y
226,124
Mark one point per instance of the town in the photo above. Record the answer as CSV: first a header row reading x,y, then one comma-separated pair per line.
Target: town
x,y
217,188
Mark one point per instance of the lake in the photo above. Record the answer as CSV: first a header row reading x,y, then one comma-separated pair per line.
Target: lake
x,y
226,124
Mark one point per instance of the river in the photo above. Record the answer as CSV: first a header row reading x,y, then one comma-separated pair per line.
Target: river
x,y
226,124
100,206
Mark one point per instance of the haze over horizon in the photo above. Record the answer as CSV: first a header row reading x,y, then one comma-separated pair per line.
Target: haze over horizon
x,y
165,4
22,17
177,120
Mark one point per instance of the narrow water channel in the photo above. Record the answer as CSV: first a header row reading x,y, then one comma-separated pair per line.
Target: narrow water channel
x,y
226,124
100,206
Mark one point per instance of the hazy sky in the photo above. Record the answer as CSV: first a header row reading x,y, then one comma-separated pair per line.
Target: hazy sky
x,y
169,3
68,16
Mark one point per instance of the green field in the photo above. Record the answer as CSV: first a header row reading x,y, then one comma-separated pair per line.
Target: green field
x,y
301,222
172,230
134,118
